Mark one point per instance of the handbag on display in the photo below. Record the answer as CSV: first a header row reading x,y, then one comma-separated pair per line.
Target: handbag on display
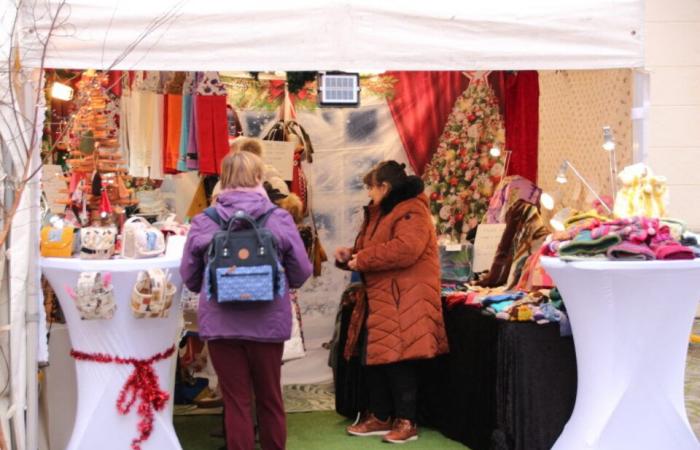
x,y
56,242
292,131
152,294
171,227
456,262
140,239
189,301
97,242
151,202
294,347
94,296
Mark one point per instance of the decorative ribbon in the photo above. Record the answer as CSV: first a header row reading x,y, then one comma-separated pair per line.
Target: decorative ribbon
x,y
142,385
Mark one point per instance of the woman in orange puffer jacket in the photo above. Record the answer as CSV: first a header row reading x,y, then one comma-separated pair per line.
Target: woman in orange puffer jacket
x,y
401,320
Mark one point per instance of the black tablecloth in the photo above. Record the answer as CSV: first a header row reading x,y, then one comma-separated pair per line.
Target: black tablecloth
x,y
504,385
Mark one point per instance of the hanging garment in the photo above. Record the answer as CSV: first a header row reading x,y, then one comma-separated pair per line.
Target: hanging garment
x,y
156,153
173,128
211,132
136,134
123,135
510,190
185,116
192,150
144,123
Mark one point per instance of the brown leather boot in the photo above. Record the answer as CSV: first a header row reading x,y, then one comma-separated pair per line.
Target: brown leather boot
x,y
371,426
402,431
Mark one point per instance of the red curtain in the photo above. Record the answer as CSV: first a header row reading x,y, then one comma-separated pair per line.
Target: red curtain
x,y
420,106
522,103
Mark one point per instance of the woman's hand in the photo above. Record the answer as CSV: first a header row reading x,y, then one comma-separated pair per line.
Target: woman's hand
x,y
343,254
352,264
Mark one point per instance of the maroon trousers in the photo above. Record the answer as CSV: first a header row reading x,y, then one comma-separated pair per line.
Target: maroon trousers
x,y
241,365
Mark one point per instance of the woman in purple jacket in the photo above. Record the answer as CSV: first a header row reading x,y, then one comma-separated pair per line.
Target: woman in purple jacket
x,y
246,340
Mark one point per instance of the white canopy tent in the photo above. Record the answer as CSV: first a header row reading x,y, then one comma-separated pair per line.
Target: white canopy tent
x,y
352,35
347,35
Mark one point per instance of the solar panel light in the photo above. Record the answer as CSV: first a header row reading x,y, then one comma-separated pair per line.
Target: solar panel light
x,y
339,89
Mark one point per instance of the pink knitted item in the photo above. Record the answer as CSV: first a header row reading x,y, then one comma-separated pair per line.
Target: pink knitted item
x,y
673,250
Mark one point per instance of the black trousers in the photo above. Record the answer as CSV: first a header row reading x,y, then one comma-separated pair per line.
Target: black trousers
x,y
392,390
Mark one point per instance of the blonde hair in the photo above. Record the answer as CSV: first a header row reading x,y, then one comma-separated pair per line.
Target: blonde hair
x,y
241,169
245,144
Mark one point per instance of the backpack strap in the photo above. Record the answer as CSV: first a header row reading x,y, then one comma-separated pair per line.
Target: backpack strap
x,y
214,215
260,221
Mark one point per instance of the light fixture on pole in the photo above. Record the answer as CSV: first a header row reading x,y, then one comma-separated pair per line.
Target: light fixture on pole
x,y
609,146
561,174
562,179
547,201
60,91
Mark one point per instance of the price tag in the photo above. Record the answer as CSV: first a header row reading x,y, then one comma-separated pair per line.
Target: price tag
x,y
488,236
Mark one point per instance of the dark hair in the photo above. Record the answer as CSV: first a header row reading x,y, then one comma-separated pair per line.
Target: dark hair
x,y
390,172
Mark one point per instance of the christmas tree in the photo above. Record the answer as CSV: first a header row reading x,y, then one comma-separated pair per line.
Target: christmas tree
x,y
463,174
97,166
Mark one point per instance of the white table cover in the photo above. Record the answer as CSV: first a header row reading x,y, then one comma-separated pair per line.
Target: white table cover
x,y
631,322
98,425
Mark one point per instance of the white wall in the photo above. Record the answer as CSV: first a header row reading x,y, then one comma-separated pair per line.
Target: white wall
x,y
672,53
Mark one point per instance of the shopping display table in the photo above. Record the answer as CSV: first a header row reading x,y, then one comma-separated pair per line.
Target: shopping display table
x,y
631,322
98,423
504,385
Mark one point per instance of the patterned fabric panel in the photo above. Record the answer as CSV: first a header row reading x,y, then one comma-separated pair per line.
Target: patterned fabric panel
x,y
252,283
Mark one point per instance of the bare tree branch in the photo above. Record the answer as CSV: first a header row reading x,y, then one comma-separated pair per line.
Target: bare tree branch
x,y
10,54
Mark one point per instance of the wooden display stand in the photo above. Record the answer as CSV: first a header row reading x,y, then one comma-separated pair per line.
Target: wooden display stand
x,y
94,149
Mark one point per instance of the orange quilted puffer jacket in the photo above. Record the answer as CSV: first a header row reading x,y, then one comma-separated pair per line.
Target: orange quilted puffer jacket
x,y
398,257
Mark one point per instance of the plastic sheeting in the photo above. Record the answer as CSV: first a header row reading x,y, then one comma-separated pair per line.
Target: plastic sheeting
x,y
343,35
631,322
21,123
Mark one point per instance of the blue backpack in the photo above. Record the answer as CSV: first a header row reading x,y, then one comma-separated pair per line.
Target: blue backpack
x,y
243,262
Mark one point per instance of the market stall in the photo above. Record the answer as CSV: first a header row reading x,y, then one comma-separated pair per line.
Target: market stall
x,y
618,44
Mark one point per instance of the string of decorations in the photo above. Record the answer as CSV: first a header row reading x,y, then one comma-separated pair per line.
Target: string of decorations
x,y
142,386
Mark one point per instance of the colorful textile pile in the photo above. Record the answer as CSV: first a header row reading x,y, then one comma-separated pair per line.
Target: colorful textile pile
x,y
541,306
632,239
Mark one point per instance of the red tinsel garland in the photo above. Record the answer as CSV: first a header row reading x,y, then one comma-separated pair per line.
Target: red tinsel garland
x,y
142,384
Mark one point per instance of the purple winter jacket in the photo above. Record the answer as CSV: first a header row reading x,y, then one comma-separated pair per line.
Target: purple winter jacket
x,y
263,321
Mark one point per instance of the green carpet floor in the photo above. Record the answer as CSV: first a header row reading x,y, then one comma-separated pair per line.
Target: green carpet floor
x,y
323,430
326,429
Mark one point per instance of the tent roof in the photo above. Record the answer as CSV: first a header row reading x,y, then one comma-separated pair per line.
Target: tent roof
x,y
344,35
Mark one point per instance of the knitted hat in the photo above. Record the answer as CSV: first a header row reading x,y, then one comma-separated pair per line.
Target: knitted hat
x,y
584,244
630,251
673,250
